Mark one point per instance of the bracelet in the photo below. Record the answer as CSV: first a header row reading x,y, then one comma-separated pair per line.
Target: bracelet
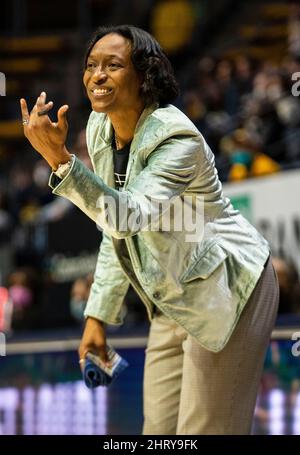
x,y
63,168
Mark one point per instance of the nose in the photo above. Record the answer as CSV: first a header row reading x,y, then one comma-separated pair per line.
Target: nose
x,y
99,75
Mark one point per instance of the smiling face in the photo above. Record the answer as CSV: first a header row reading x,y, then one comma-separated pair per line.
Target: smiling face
x,y
110,79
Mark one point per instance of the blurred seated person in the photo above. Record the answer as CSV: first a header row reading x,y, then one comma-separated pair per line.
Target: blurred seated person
x,y
289,286
79,295
6,222
247,159
80,291
22,289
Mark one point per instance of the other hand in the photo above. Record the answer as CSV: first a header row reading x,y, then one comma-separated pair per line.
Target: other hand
x,y
93,340
46,137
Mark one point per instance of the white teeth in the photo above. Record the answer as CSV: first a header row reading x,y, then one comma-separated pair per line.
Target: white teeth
x,y
101,91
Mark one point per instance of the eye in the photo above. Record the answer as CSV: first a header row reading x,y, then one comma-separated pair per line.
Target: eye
x,y
114,65
90,65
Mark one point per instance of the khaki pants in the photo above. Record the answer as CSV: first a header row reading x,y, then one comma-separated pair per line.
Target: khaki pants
x,y
190,390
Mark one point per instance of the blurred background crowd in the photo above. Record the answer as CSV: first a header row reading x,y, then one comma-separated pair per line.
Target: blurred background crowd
x,y
236,63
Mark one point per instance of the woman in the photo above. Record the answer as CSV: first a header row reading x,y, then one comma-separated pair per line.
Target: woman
x,y
211,296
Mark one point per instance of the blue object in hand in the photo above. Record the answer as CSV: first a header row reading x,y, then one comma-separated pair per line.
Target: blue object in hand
x,y
96,373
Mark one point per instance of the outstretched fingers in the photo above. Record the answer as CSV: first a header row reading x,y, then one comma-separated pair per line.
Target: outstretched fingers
x,y
41,107
24,111
62,122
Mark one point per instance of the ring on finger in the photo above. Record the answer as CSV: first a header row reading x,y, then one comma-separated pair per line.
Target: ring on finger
x,y
40,113
25,121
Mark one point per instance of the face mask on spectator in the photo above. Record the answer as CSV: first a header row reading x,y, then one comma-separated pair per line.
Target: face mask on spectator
x,y
77,308
20,295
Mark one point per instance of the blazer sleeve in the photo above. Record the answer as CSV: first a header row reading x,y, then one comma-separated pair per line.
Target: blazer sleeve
x,y
109,286
170,169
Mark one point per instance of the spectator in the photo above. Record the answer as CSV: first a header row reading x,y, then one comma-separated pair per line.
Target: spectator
x,y
289,286
22,284
247,159
79,296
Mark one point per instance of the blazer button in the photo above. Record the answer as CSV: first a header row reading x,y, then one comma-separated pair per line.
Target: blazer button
x,y
156,295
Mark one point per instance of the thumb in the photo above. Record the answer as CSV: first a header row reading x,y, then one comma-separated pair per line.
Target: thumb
x,y
62,117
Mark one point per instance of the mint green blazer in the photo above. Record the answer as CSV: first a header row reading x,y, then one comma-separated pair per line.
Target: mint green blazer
x,y
203,282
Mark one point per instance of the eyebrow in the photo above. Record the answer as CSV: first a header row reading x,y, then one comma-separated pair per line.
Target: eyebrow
x,y
106,56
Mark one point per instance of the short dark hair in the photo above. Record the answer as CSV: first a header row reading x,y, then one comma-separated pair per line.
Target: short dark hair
x,y
159,83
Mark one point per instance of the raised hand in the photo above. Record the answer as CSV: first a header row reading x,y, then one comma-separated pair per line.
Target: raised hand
x,y
46,137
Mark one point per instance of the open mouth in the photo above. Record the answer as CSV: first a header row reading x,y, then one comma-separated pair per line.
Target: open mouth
x,y
100,92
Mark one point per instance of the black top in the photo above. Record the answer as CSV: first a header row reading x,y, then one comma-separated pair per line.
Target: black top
x,y
120,158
